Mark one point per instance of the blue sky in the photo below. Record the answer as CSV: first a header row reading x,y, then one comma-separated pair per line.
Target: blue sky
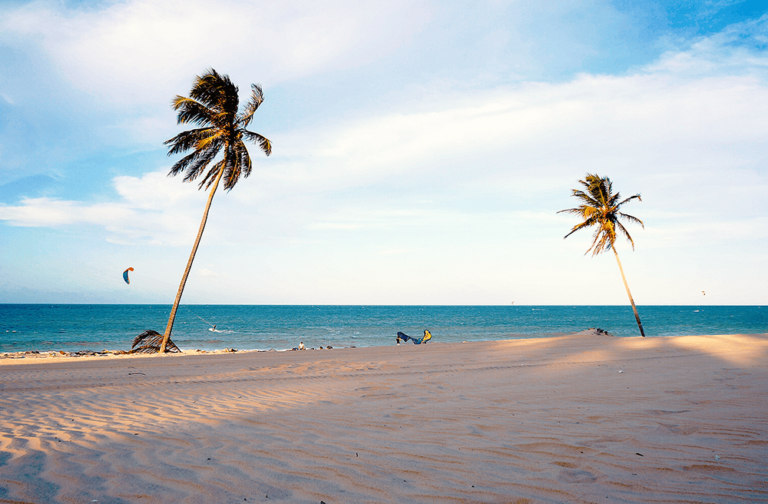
x,y
421,151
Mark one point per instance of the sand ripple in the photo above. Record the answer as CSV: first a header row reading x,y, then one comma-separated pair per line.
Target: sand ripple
x,y
518,421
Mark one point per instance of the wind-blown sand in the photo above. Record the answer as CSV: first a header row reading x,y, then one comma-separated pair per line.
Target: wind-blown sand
x,y
568,419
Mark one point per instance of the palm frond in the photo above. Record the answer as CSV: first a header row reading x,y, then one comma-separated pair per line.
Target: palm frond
x,y
263,141
587,223
586,198
626,234
217,137
193,162
257,98
149,342
232,170
630,218
198,165
599,188
636,196
210,175
216,91
244,158
191,111
613,200
189,139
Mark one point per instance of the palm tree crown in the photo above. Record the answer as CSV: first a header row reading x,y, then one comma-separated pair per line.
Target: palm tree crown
x,y
600,208
213,104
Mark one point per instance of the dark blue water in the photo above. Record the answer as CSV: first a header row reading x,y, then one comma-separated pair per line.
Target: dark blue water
x,y
113,327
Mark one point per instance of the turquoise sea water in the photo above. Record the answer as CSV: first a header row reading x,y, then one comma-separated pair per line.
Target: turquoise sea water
x,y
113,327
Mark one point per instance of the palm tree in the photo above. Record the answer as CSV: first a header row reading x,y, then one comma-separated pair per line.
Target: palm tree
x,y
600,208
213,105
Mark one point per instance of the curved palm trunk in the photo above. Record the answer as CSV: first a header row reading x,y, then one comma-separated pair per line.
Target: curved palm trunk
x,y
172,318
626,286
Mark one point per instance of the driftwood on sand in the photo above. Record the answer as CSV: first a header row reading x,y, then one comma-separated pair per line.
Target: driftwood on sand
x,y
149,342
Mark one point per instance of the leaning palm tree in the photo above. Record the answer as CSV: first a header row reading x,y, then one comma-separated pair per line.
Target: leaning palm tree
x,y
213,105
600,208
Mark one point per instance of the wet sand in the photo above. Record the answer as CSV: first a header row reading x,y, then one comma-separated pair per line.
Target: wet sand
x,y
571,419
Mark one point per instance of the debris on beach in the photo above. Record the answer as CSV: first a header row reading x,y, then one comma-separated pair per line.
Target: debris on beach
x,y
145,343
593,331
81,353
149,342
12,355
35,354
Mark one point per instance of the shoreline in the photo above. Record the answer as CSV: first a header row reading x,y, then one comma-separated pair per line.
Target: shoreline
x,y
61,355
64,356
50,354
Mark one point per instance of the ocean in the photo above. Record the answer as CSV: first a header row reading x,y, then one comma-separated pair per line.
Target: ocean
x,y
76,327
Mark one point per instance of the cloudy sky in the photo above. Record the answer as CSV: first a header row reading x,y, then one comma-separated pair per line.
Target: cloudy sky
x,y
421,150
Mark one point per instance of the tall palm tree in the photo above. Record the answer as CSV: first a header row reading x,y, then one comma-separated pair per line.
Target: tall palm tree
x,y
213,105
600,208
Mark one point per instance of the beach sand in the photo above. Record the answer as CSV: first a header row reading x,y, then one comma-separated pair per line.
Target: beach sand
x,y
568,419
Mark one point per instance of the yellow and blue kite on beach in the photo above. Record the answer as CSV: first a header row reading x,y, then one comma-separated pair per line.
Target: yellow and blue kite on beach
x,y
125,275
416,341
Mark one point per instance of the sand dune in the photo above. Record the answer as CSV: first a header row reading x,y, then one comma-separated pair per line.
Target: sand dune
x,y
569,419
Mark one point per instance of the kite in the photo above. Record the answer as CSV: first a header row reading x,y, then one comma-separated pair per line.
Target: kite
x,y
417,341
125,275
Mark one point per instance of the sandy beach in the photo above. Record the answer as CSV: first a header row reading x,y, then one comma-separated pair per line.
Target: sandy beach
x,y
570,419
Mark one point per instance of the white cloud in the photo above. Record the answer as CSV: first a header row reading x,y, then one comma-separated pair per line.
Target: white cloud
x,y
680,140
205,272
729,50
152,208
141,51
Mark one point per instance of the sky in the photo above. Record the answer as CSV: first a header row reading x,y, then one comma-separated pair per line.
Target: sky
x,y
421,151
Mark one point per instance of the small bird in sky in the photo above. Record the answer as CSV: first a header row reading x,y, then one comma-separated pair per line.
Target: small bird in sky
x,y
704,293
